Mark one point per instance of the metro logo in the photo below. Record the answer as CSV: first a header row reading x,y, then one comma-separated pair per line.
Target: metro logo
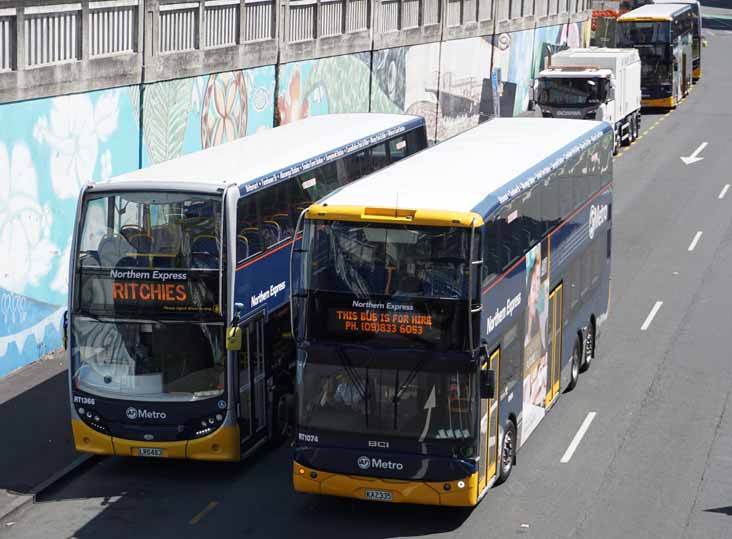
x,y
365,463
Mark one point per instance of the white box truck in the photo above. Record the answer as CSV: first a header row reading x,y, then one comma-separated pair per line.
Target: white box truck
x,y
593,84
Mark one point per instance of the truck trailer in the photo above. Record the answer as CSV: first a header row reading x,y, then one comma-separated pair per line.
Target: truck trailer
x,y
594,84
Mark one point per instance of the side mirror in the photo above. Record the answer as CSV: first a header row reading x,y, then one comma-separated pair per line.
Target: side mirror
x,y
233,339
531,104
488,384
65,331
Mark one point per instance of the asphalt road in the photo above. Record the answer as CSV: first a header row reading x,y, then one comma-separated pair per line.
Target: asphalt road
x,y
656,461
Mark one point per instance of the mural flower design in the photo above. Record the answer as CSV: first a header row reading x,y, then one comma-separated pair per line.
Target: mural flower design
x,y
105,164
74,130
224,110
291,106
24,225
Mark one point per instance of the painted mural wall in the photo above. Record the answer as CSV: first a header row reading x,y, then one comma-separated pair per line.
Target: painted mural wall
x,y
323,86
49,148
187,115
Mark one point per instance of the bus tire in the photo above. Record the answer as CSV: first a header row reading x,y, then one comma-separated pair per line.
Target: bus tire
x,y
282,402
588,351
508,452
574,366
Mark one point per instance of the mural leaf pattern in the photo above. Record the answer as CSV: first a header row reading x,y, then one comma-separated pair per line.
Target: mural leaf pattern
x,y
165,112
347,81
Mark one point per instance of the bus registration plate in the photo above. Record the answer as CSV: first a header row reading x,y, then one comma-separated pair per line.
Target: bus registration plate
x,y
149,452
379,495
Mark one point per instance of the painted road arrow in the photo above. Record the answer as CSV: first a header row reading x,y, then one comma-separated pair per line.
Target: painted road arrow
x,y
693,158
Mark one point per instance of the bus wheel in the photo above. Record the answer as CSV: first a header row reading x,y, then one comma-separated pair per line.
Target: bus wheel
x,y
281,404
508,452
574,366
589,351
616,144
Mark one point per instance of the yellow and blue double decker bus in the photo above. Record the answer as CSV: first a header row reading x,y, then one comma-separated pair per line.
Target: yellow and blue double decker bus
x,y
167,259
664,36
442,306
696,20
698,42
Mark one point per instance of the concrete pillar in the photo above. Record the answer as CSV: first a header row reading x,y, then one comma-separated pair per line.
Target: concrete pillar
x,y
20,38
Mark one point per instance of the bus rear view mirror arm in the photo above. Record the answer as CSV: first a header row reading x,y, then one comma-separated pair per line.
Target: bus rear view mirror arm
x,y
488,384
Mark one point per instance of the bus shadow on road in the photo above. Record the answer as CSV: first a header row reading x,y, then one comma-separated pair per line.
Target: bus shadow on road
x,y
41,437
175,499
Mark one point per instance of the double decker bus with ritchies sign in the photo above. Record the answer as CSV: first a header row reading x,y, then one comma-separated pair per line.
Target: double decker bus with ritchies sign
x,y
178,322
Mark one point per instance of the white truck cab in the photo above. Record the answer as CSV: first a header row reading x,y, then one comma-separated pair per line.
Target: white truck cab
x,y
593,84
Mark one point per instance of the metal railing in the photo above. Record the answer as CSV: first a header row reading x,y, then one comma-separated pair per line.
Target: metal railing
x,y
113,28
7,43
52,34
258,20
178,27
221,22
40,33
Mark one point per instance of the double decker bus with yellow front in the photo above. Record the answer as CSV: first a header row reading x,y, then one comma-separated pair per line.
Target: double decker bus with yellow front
x,y
442,306
663,34
698,42
167,259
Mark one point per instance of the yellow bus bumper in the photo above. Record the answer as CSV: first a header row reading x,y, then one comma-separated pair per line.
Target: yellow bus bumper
x,y
663,102
697,73
312,481
222,445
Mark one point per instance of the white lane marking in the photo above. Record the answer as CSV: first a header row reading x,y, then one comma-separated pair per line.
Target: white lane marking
x,y
578,437
724,191
653,312
695,240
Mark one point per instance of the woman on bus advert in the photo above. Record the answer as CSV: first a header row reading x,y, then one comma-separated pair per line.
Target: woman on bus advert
x,y
535,349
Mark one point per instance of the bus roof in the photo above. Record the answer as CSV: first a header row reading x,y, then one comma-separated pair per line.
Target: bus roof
x,y
263,154
474,172
689,2
654,12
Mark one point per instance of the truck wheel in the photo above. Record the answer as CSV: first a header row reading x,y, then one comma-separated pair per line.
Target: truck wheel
x,y
633,129
628,131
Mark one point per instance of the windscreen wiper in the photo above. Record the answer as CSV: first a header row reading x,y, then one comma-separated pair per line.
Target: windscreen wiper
x,y
362,388
401,389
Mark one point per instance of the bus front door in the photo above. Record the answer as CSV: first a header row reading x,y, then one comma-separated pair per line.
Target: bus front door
x,y
252,382
489,427
555,343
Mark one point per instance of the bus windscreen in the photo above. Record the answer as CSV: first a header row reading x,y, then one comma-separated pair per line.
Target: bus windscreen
x,y
150,254
398,285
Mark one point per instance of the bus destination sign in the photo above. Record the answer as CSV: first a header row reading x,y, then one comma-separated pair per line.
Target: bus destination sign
x,y
159,289
366,321
149,290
